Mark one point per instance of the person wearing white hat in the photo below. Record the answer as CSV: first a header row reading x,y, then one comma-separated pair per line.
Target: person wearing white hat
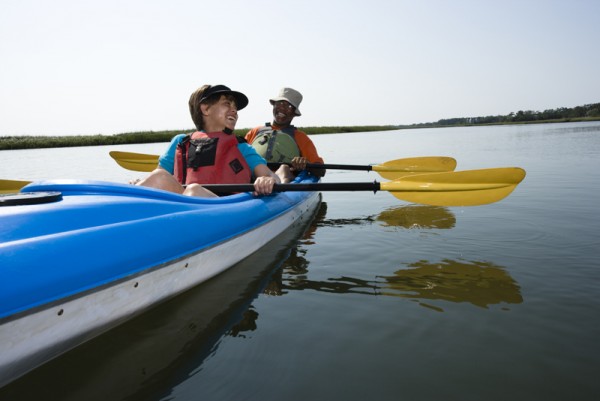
x,y
281,142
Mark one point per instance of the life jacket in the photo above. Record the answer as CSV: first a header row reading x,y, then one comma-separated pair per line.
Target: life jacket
x,y
211,158
277,146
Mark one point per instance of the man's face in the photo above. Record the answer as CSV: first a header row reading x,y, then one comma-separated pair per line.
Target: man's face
x,y
283,113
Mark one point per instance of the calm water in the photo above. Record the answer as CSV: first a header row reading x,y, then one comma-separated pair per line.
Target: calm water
x,y
379,299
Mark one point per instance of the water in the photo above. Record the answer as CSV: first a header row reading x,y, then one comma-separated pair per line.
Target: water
x,y
379,299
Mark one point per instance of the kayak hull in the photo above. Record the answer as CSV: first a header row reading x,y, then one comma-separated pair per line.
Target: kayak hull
x,y
107,252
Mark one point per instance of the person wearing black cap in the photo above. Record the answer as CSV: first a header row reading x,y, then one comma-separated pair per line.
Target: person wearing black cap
x,y
281,142
213,154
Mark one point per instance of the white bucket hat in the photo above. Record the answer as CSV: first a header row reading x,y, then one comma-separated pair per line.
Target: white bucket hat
x,y
290,95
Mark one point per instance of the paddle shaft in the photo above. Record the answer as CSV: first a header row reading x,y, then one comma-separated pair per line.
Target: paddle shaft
x,y
452,188
319,186
328,166
225,188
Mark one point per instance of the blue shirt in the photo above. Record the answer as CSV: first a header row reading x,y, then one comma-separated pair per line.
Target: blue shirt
x,y
167,159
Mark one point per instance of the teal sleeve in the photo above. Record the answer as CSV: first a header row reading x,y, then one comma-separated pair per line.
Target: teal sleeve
x,y
167,159
252,158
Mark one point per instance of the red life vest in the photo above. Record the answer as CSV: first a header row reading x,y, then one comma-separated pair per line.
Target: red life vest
x,y
211,158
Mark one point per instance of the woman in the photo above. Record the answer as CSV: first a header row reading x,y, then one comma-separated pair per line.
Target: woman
x,y
212,154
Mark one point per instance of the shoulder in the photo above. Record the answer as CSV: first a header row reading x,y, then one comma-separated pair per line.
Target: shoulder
x,y
246,149
251,135
167,159
250,155
255,129
177,139
301,135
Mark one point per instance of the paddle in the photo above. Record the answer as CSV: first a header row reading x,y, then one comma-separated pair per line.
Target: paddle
x,y
394,169
135,161
454,188
460,188
391,170
10,186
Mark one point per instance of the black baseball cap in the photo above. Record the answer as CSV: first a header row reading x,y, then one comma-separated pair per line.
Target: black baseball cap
x,y
241,100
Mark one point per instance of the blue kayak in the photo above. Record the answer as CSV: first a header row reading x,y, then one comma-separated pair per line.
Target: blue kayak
x,y
80,257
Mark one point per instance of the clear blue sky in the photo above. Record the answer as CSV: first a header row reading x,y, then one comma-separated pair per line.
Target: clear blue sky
x,y
110,66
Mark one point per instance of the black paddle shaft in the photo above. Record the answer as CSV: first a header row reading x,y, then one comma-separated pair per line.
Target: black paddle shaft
x,y
328,166
315,186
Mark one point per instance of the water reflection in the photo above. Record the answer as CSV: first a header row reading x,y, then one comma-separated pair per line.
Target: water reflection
x,y
146,358
418,216
410,216
478,283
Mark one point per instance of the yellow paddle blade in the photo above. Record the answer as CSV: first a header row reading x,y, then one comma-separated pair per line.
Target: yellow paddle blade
x,y
394,169
459,188
135,161
11,186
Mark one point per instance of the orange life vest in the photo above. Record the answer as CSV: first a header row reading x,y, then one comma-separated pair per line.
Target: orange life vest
x,y
211,158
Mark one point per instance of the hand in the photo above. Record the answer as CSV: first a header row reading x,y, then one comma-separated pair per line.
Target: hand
x,y
299,163
264,185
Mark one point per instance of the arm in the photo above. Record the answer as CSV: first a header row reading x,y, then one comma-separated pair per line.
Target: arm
x,y
162,177
167,160
265,180
309,155
264,177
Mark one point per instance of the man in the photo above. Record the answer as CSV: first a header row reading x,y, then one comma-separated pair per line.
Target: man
x,y
281,142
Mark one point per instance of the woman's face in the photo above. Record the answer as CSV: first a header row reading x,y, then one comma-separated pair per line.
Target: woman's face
x,y
220,115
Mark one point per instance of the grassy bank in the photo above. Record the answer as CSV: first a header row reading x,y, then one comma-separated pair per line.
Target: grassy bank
x,y
588,112
33,142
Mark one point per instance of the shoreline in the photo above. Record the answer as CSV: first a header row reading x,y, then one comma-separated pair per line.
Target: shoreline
x,y
39,141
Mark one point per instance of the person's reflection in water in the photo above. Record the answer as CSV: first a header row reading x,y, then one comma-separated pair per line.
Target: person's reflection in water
x,y
248,323
296,264
479,283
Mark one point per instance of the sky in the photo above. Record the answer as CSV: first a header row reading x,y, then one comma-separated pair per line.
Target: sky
x,y
81,67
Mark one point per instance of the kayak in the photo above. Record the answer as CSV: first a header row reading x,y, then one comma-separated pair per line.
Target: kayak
x,y
173,338
80,257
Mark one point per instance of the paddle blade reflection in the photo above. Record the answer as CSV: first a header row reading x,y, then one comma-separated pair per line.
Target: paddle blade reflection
x,y
418,216
479,283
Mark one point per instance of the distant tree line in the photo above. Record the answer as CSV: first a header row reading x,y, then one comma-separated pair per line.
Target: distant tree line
x,y
563,114
579,113
39,141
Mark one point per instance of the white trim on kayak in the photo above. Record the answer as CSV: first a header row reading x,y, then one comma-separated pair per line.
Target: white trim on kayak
x,y
34,338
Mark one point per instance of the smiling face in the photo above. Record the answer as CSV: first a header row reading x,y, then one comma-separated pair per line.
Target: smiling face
x,y
283,113
220,115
